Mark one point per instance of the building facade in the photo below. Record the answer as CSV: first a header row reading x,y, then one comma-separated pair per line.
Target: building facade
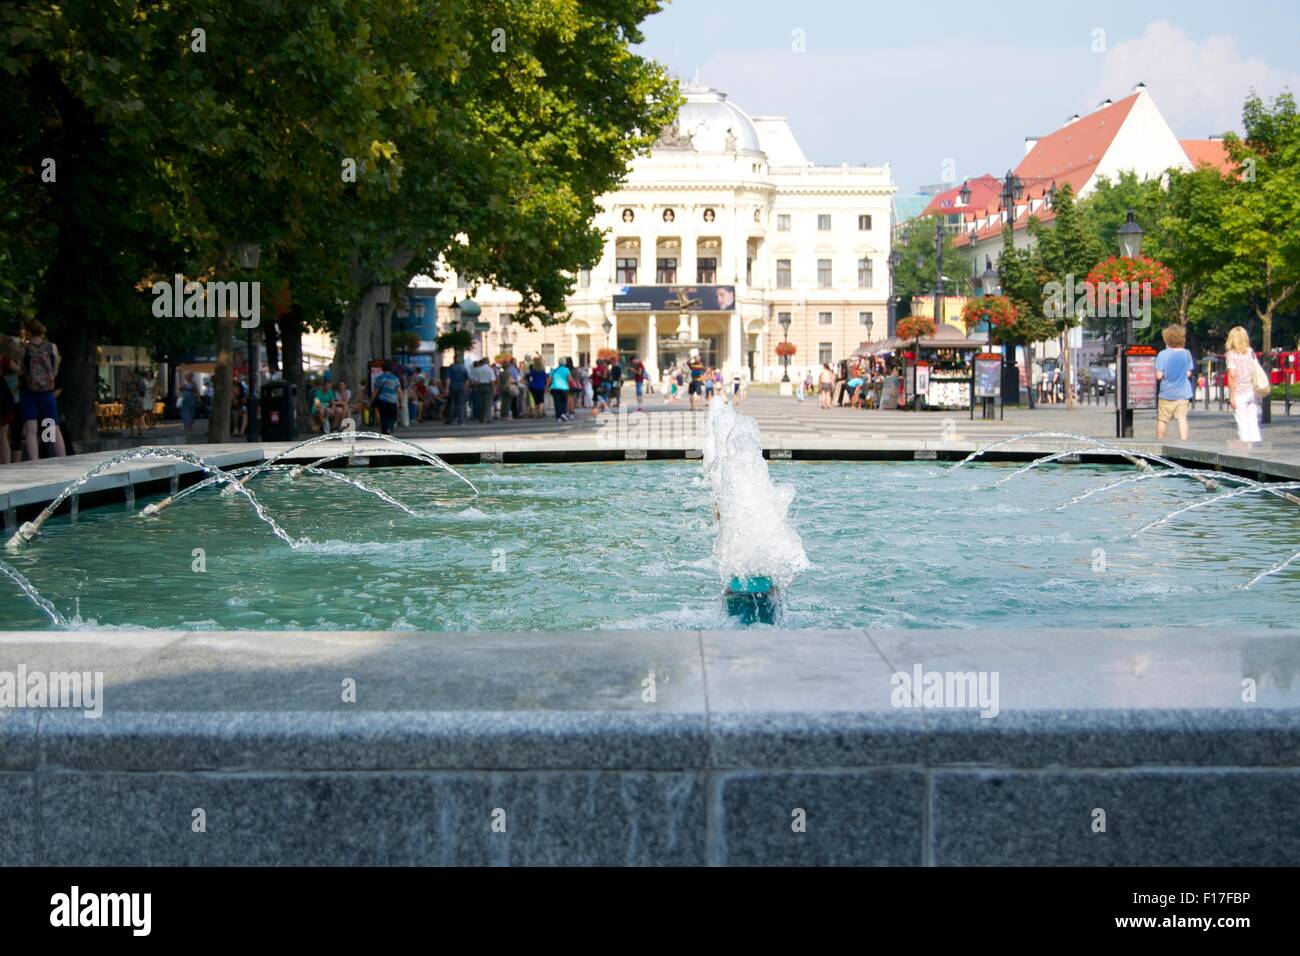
x,y
719,232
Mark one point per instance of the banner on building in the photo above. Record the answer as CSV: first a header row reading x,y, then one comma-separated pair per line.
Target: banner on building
x,y
675,298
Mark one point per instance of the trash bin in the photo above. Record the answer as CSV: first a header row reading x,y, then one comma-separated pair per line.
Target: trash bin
x,y
278,400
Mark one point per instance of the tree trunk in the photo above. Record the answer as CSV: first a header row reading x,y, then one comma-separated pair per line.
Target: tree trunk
x,y
222,385
291,351
1065,371
271,334
351,353
80,374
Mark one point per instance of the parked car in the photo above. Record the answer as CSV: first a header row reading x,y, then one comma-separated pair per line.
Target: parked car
x,y
1101,379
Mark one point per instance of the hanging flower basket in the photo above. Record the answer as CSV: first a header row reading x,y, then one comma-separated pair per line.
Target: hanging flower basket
x,y
997,310
1121,272
459,339
406,342
505,358
608,355
914,327
785,349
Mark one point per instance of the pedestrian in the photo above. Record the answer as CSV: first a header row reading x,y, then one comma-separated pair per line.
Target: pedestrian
x,y
826,382
639,380
188,401
457,393
1242,392
386,387
561,380
1174,368
40,411
11,419
616,383
696,369
537,388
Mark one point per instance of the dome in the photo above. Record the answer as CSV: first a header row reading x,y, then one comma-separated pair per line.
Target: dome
x,y
708,118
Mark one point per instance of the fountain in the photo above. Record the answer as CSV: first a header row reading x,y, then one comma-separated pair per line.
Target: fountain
x,y
758,551
31,529
13,574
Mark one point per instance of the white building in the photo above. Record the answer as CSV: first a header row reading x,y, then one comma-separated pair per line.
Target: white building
x,y
720,231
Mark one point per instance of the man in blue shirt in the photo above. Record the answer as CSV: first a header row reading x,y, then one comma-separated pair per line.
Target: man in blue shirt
x,y
457,393
1174,369
385,397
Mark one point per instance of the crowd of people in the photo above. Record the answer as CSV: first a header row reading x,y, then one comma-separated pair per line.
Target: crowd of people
x,y
29,412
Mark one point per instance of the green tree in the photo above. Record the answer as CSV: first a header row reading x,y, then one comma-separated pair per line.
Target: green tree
x,y
1061,259
1260,216
916,270
482,143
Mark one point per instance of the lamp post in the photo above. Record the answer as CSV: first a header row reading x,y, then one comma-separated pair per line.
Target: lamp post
x,y
895,258
248,254
1012,189
1130,246
785,358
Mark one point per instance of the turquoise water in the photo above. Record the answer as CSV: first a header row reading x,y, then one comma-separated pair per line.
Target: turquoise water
x,y
552,547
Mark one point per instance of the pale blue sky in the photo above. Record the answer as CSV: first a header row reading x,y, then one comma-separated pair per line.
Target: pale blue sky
x,y
919,84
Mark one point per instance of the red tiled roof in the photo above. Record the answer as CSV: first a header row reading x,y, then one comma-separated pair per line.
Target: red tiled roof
x,y
1071,154
1208,152
983,192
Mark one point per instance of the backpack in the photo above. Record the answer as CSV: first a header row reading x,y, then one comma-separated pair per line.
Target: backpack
x,y
38,367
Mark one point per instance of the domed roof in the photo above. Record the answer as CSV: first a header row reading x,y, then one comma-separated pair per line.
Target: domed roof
x,y
714,124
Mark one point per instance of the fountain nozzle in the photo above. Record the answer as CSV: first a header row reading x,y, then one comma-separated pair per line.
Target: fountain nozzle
x,y
27,532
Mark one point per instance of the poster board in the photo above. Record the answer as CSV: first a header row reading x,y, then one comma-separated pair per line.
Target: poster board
x,y
922,378
1140,377
988,375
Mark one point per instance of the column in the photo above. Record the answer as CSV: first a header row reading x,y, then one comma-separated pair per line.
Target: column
x,y
612,341
734,360
695,326
645,273
760,362
652,348
686,228
573,345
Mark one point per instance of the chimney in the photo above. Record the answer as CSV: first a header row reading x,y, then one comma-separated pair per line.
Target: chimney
x,y
1030,143
1071,119
1139,87
1104,103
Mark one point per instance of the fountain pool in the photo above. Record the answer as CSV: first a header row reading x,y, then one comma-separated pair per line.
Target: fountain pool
x,y
631,545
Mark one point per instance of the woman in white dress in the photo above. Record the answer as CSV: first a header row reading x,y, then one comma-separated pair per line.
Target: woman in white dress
x,y
1241,385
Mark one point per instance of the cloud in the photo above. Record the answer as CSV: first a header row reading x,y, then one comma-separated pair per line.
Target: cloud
x,y
1199,85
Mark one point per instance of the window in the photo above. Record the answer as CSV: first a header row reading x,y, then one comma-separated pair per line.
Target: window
x,y
667,272
825,353
864,224
783,222
584,278
783,274
866,319
626,272
825,318
749,271
823,222
706,271
628,215
824,274
864,274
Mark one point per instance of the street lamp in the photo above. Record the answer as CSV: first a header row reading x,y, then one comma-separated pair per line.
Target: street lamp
x,y
785,359
1012,189
1130,245
895,259
1130,237
248,254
